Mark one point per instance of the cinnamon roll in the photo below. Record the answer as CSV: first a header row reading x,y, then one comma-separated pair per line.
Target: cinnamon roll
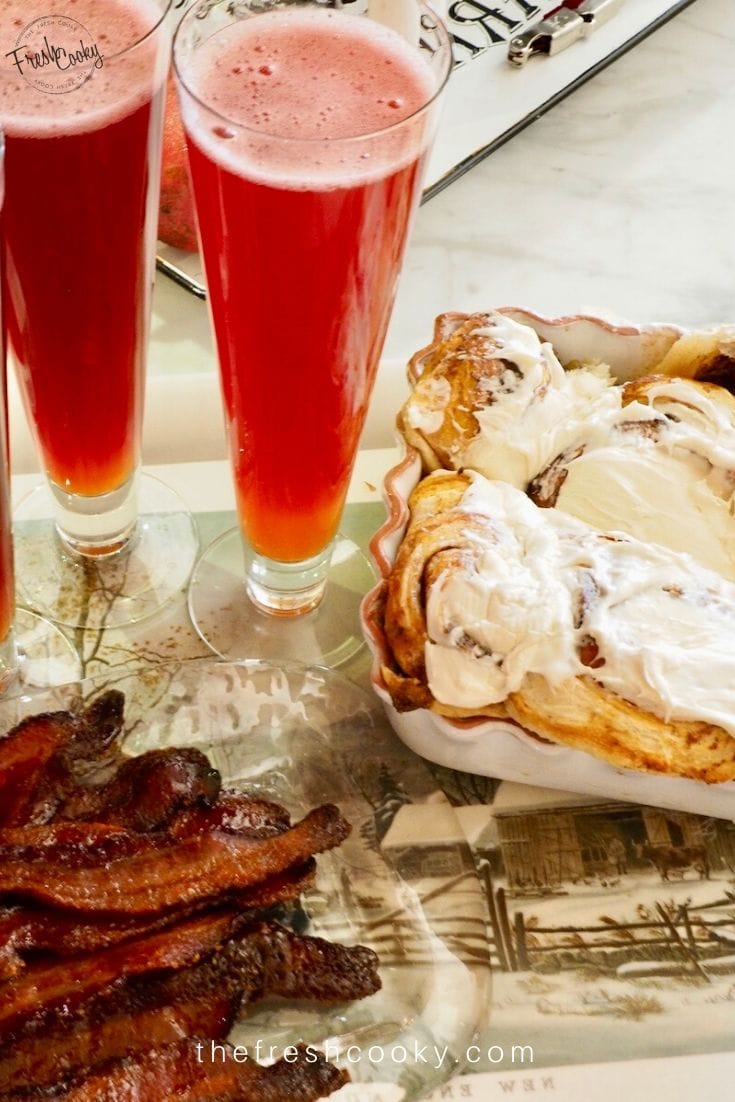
x,y
591,639
489,395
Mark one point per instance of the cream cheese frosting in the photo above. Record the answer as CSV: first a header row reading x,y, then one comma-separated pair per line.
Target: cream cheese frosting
x,y
675,487
542,582
658,496
535,413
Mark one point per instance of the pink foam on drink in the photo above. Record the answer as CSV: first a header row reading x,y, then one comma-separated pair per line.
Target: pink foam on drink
x,y
112,91
316,97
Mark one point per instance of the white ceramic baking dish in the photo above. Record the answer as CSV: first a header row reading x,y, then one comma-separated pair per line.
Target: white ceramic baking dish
x,y
500,748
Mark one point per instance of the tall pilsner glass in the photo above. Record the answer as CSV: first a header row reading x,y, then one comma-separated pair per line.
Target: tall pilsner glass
x,y
33,653
82,89
8,647
308,130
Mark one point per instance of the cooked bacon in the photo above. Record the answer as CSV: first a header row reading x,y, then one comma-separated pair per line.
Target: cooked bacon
x,y
70,1050
141,1011
287,964
27,755
11,962
147,790
29,929
33,741
234,813
103,725
46,754
70,984
73,845
298,967
136,913
188,1072
34,840
148,1008
173,874
266,960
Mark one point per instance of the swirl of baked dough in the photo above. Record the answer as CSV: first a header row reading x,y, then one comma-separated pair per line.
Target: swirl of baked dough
x,y
489,395
438,539
438,418
483,368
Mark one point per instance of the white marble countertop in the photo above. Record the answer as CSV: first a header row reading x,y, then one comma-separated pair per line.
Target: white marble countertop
x,y
620,199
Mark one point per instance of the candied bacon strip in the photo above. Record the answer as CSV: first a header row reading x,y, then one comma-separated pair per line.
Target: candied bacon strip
x,y
173,874
235,813
103,725
261,962
38,838
69,984
45,755
38,1061
127,1018
232,813
26,754
187,1072
11,962
267,960
72,845
26,929
305,967
147,790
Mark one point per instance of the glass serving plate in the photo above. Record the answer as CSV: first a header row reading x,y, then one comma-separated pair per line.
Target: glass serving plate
x,y
306,736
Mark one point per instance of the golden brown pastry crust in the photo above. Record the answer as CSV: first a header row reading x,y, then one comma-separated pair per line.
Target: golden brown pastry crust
x,y
450,384
707,355
582,714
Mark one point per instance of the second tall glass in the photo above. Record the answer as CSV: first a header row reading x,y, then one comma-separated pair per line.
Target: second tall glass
x,y
81,99
308,130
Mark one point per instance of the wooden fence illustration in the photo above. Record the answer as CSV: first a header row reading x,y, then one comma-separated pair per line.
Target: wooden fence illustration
x,y
692,935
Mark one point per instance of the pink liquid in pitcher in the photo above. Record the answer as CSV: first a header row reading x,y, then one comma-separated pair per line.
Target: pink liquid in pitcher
x,y
302,241
80,219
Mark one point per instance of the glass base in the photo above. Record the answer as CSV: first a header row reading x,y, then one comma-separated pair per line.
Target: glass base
x,y
107,590
44,656
100,525
234,628
287,589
